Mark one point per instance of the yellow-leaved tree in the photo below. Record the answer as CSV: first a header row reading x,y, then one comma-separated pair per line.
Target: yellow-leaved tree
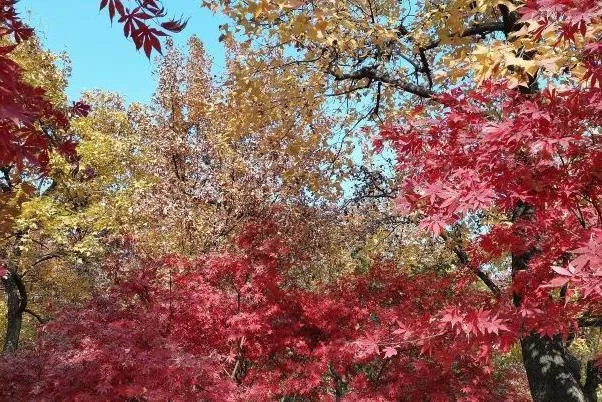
x,y
57,223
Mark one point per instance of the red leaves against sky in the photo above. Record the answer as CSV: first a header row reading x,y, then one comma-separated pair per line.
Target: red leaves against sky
x,y
534,162
224,327
29,124
575,16
144,21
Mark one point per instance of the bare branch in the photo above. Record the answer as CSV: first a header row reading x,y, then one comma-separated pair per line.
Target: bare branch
x,y
425,67
377,105
47,257
463,259
476,29
36,316
370,72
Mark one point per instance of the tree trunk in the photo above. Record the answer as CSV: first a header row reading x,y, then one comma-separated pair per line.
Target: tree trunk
x,y
554,374
593,379
16,302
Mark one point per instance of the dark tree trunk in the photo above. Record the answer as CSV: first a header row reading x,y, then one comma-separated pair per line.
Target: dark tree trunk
x,y
16,302
593,379
554,374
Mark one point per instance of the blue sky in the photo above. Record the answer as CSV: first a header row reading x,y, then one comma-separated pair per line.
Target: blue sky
x,y
101,56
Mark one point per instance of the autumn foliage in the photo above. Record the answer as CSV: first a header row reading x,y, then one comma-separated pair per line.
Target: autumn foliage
x,y
225,327
29,124
144,21
246,238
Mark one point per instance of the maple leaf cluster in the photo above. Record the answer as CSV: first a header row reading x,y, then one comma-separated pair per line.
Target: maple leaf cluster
x,y
536,161
144,21
30,125
225,327
569,17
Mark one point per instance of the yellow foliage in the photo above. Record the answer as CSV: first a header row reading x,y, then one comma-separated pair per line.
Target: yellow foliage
x,y
44,69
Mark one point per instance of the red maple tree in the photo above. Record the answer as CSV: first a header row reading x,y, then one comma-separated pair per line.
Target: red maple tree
x,y
521,171
224,327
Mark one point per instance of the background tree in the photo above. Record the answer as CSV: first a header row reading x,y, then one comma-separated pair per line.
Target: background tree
x,y
229,327
57,233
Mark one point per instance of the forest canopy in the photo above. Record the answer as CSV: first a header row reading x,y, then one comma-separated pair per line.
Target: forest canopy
x,y
374,200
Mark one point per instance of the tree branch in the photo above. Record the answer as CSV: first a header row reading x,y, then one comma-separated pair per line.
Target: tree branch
x,y
463,259
47,257
588,321
37,316
370,72
476,29
509,19
377,105
425,67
